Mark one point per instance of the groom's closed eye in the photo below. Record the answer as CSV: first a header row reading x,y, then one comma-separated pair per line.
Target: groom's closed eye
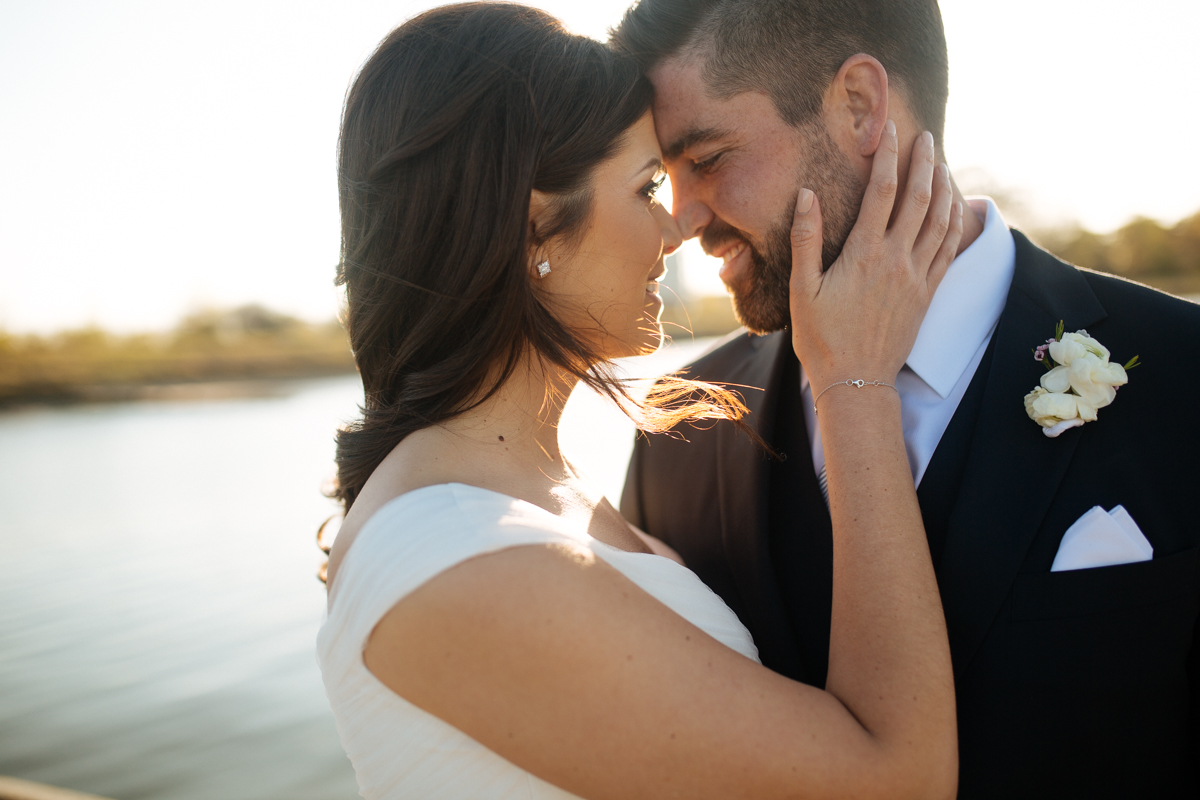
x,y
706,166
692,139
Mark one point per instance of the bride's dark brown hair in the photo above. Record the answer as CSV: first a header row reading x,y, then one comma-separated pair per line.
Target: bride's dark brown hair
x,y
455,119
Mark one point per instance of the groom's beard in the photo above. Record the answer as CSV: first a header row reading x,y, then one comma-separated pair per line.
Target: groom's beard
x,y
760,301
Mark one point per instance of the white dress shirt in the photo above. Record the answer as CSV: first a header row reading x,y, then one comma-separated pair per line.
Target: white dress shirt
x,y
954,335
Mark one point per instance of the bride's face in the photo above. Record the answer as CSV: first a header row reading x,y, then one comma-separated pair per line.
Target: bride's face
x,y
605,287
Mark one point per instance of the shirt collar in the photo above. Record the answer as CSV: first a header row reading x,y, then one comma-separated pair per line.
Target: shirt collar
x,y
967,304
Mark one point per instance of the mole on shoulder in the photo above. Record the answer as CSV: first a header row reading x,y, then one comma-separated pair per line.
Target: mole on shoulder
x,y
502,438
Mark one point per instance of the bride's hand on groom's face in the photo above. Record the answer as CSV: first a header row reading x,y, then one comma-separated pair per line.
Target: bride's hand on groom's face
x,y
859,319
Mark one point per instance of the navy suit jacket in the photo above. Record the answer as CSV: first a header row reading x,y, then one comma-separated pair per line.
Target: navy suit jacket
x,y
1069,684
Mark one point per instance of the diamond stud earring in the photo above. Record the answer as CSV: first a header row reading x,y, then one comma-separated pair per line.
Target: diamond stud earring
x,y
543,269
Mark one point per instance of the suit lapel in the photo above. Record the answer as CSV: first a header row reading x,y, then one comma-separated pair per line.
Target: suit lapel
x,y
942,483
1012,471
743,483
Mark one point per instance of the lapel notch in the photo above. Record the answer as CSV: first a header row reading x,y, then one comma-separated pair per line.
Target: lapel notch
x,y
1013,471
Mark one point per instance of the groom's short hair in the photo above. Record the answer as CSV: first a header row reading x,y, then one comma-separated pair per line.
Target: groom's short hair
x,y
793,49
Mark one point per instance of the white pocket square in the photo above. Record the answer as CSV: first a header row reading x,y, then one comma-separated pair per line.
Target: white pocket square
x,y
1102,539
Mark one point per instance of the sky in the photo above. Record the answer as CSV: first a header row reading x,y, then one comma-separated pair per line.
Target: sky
x,y
158,158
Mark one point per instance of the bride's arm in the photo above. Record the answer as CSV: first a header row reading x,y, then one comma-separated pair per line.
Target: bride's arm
x,y
846,324
557,662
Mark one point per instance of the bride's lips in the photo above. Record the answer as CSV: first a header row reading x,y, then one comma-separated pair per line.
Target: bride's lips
x,y
652,285
736,257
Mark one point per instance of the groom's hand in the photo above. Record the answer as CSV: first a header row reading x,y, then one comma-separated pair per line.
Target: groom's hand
x,y
859,319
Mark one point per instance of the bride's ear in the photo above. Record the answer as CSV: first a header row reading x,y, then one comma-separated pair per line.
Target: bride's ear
x,y
539,213
856,105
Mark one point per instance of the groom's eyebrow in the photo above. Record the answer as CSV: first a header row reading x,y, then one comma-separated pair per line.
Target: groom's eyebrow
x,y
691,138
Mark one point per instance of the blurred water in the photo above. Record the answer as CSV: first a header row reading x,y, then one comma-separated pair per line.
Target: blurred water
x,y
158,606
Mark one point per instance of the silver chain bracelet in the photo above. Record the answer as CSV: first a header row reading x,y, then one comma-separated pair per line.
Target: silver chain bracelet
x,y
857,384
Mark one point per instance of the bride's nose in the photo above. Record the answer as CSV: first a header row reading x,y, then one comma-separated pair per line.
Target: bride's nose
x,y
671,235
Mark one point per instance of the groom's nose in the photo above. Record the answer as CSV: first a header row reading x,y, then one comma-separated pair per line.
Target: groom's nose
x,y
691,213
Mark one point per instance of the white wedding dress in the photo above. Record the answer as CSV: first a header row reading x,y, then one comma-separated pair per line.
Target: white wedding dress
x,y
401,751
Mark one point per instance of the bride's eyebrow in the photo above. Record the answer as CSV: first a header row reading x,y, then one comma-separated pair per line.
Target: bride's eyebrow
x,y
691,138
655,162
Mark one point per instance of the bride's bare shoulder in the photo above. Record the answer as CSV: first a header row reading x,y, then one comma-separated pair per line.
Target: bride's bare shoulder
x,y
415,463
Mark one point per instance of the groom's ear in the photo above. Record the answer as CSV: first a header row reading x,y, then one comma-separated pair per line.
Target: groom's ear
x,y
856,105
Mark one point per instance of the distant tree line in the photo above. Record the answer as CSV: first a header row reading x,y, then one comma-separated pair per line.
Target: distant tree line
x,y
247,343
1143,250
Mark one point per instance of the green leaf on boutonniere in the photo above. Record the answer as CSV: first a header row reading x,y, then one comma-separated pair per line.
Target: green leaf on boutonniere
x,y
1133,362
1058,332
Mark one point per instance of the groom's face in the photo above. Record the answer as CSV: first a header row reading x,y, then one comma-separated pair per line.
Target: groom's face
x,y
736,167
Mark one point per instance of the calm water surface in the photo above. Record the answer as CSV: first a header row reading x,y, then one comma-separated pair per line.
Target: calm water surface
x,y
158,607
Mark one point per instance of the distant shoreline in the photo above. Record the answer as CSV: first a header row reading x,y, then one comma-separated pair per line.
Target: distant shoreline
x,y
212,354
210,389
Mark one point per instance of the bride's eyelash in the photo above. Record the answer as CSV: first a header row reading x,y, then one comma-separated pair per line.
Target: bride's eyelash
x,y
651,188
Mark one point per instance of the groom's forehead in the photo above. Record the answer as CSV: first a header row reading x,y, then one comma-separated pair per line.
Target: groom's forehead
x,y
688,115
685,113
678,81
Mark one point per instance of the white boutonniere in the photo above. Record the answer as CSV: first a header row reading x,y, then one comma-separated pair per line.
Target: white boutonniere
x,y
1079,381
